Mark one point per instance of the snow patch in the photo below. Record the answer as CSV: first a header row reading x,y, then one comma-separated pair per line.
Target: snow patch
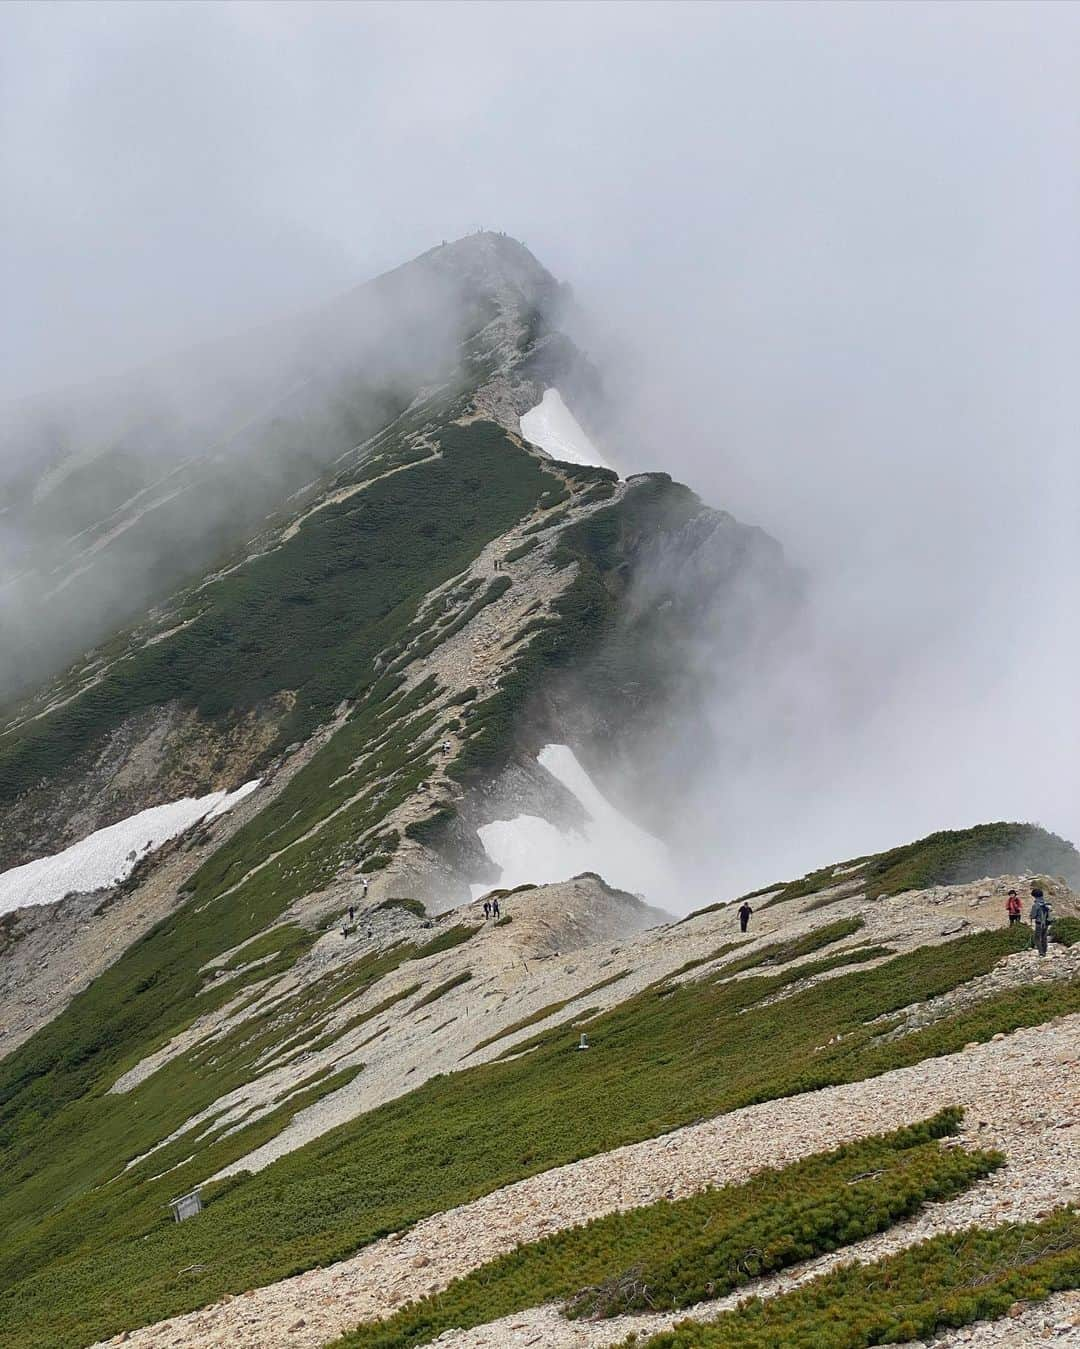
x,y
553,428
529,848
108,856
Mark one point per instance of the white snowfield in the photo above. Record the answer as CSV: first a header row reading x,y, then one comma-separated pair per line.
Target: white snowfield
x,y
107,857
553,428
529,848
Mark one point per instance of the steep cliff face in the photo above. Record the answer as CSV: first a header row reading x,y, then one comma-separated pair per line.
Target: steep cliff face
x,y
661,600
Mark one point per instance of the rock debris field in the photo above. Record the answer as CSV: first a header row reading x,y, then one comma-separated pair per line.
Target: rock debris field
x,y
1019,1093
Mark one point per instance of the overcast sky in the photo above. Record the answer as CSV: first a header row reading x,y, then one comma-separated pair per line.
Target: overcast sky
x,y
829,255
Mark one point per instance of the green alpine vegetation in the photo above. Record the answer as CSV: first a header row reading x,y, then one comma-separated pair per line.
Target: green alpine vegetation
x,y
441,990
673,1254
543,1012
288,940
83,1259
946,1282
951,857
313,614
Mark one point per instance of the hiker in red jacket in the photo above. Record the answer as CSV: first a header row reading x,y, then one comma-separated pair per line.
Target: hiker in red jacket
x,y
1013,908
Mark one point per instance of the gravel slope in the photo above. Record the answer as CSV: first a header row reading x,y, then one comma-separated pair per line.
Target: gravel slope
x,y
1019,1093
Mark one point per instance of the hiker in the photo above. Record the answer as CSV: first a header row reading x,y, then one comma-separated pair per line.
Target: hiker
x,y
1012,907
744,915
494,908
1042,918
352,912
487,910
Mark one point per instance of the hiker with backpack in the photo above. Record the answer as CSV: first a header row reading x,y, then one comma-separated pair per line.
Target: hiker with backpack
x,y
1041,917
1012,907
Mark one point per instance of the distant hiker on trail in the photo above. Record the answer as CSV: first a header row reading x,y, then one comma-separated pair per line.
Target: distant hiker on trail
x,y
487,909
744,915
352,912
1042,918
494,908
1012,907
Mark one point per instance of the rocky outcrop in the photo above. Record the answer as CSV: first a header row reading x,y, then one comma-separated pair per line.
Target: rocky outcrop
x,y
153,757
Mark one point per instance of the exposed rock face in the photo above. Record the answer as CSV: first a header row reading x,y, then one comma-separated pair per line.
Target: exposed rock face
x,y
552,944
156,756
700,604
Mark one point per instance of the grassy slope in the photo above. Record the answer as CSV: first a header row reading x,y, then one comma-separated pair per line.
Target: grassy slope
x,y
951,857
664,1058
60,1132
948,1281
362,583
151,991
312,614
80,1259
668,1255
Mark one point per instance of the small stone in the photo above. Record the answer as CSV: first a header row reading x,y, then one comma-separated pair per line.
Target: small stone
x,y
297,1325
420,1261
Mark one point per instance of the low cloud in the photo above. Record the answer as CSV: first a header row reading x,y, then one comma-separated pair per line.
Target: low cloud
x,y
828,253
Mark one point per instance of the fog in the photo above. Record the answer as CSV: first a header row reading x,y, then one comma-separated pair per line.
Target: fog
x,y
824,255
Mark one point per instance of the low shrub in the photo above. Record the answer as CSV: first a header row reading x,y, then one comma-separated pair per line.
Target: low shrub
x,y
943,1283
522,550
658,1062
412,906
447,940
442,989
432,826
667,1255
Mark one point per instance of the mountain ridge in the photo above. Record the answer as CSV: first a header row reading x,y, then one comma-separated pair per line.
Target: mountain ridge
x,y
300,1007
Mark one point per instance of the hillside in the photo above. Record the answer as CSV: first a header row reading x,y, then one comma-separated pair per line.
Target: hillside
x,y
245,842
314,1114
123,489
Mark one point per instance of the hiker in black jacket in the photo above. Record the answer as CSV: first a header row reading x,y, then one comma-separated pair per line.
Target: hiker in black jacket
x,y
1041,918
744,915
